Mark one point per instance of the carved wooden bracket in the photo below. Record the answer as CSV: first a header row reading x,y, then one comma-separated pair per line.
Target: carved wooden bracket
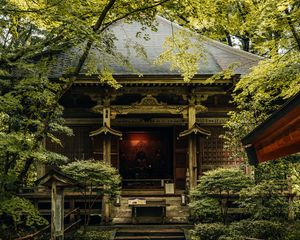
x,y
147,105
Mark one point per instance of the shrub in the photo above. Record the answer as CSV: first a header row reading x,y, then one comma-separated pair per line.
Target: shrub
x,y
231,238
244,229
260,229
18,216
208,231
220,184
92,235
293,231
205,210
264,203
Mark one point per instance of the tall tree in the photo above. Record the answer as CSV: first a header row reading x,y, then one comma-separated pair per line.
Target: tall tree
x,y
270,28
32,35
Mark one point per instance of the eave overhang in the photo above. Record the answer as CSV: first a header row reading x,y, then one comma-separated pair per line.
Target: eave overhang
x,y
276,137
154,80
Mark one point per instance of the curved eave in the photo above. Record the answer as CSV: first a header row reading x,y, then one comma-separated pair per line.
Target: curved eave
x,y
196,130
105,130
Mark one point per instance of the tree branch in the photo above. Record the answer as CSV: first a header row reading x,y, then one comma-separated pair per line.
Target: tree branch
x,y
228,38
89,44
132,12
32,48
292,27
99,24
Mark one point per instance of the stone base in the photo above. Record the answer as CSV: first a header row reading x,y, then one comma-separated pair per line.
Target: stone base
x,y
175,212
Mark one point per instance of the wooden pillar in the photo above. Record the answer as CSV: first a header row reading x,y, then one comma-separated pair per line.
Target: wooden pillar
x,y
107,138
107,149
106,158
57,213
192,152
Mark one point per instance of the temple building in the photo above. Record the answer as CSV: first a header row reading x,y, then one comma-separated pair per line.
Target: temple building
x,y
278,136
160,132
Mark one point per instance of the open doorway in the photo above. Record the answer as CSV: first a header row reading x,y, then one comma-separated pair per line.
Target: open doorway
x,y
146,154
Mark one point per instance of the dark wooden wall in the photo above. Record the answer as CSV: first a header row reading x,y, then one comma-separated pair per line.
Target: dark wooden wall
x,y
210,151
78,146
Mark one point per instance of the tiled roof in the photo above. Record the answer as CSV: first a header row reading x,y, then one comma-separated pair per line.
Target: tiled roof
x,y
218,56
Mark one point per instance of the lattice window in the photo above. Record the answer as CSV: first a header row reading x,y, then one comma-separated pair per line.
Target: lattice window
x,y
212,154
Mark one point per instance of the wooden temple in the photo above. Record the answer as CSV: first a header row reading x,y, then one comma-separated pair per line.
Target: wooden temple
x,y
155,129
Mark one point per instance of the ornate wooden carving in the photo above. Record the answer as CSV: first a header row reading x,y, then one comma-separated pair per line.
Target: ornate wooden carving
x,y
147,105
149,100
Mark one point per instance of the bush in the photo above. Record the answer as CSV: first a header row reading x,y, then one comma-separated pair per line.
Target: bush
x,y
260,229
92,235
18,216
293,231
208,231
231,238
205,210
241,230
220,184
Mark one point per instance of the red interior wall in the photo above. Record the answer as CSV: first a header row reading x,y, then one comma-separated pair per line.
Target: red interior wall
x,y
151,143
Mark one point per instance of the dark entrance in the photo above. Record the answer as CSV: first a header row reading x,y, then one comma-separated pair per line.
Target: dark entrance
x,y
146,154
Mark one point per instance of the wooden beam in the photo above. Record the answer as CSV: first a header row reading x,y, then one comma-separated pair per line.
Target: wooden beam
x,y
285,145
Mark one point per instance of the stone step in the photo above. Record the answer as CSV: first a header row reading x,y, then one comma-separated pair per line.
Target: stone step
x,y
177,220
150,233
122,220
150,237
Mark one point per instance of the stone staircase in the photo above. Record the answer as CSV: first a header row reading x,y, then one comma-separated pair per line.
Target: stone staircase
x,y
175,212
150,232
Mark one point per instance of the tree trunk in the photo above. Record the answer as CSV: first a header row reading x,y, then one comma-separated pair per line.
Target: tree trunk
x,y
228,38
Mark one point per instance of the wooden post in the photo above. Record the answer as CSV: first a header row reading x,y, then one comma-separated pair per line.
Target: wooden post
x,y
57,182
105,209
107,139
57,213
106,158
53,211
107,149
192,153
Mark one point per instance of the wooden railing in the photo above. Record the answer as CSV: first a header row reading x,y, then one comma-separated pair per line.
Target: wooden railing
x,y
44,229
